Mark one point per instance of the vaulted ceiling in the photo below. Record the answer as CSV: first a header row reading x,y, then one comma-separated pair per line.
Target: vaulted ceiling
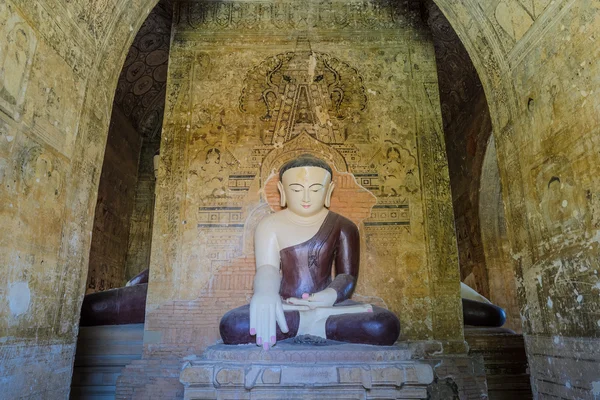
x,y
140,91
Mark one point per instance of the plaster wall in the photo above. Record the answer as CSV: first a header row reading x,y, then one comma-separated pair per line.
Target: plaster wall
x,y
494,238
537,61
467,140
250,89
59,61
483,248
556,247
467,126
114,207
140,229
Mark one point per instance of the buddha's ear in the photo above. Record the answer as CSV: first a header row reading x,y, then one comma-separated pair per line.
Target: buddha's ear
x,y
282,201
328,196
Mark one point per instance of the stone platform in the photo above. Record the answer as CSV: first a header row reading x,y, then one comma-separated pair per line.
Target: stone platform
x,y
300,371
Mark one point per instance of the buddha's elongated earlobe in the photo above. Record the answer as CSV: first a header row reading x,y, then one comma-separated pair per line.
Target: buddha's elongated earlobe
x,y
282,201
328,196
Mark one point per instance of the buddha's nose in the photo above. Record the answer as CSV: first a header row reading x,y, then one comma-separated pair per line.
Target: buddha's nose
x,y
306,196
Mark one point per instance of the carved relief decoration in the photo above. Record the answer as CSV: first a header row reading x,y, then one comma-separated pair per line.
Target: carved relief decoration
x,y
17,49
301,144
303,91
218,16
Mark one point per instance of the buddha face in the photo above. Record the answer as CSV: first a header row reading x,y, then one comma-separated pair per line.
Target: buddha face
x,y
306,190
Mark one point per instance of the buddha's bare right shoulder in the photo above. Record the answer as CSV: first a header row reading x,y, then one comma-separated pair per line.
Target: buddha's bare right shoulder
x,y
271,224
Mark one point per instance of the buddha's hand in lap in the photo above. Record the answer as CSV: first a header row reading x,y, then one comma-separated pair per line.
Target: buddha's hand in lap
x,y
324,298
265,311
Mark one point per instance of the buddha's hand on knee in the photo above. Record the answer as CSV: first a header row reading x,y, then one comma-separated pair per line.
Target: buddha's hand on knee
x,y
324,298
266,310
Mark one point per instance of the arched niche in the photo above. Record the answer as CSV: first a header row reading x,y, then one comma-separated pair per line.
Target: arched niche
x,y
301,144
474,32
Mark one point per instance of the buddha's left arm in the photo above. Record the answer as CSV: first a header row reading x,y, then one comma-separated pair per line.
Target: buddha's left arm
x,y
347,260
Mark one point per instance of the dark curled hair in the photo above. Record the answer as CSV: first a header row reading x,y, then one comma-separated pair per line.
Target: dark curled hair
x,y
305,160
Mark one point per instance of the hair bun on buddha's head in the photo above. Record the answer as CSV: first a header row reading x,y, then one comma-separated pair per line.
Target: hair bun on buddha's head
x,y
305,160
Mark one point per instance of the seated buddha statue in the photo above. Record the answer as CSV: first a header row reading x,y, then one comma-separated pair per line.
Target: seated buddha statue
x,y
307,263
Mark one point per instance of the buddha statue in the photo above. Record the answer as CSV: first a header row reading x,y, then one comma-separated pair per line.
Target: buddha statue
x,y
479,311
295,291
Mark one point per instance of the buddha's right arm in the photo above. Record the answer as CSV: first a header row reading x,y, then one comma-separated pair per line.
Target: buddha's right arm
x,y
265,307
266,248
267,279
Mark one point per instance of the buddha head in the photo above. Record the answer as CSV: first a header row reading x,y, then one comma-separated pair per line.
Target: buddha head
x,y
305,185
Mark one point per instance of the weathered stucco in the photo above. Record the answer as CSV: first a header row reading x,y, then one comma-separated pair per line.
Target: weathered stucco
x,y
537,64
467,127
237,110
116,198
140,226
536,61
483,250
122,229
59,68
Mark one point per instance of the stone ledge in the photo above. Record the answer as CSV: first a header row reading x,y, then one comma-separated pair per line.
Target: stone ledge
x,y
287,351
291,371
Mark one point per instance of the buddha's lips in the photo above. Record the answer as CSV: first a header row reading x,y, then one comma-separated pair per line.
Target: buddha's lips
x,y
306,205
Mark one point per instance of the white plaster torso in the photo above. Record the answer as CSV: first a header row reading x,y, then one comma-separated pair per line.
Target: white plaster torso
x,y
281,230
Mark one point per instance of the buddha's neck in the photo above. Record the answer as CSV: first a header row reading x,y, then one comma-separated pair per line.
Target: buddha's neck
x,y
307,221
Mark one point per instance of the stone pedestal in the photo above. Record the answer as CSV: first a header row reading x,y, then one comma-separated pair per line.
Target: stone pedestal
x,y
298,371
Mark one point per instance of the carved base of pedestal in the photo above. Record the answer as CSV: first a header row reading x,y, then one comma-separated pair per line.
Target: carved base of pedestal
x,y
296,371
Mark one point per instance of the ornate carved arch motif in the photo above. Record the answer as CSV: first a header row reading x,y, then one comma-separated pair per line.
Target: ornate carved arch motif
x,y
303,143
303,91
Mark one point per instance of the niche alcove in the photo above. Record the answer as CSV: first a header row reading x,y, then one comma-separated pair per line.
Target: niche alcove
x,y
372,110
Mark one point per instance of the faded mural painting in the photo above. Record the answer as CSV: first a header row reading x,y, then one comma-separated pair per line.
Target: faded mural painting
x,y
236,111
16,55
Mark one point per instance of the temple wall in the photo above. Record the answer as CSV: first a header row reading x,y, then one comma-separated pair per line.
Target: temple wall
x,y
59,62
42,91
140,229
139,104
369,106
537,62
483,249
114,207
494,240
467,127
556,218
